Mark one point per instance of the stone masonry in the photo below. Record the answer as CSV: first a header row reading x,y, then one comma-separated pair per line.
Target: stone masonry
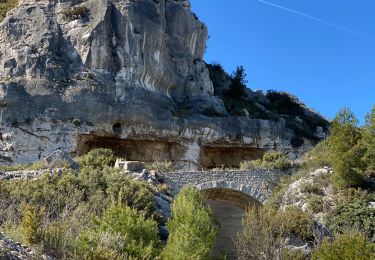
x,y
257,184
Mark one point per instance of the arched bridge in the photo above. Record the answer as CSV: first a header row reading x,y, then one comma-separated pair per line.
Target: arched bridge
x,y
228,193
238,185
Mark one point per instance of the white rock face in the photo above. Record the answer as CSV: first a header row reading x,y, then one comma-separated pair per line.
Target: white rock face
x,y
76,75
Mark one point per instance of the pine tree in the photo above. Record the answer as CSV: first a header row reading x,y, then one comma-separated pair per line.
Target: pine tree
x,y
192,228
238,85
347,151
369,141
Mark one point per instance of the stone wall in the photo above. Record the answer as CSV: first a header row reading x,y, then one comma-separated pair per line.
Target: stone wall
x,y
257,184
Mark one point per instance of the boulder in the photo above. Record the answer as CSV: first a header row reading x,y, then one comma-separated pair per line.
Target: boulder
x,y
58,158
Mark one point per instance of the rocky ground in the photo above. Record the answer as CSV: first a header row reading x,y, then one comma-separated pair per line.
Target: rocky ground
x,y
11,250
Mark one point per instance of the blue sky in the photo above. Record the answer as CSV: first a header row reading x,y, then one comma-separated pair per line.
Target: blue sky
x,y
326,67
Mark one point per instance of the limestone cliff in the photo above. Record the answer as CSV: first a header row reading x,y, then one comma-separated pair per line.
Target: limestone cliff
x,y
123,74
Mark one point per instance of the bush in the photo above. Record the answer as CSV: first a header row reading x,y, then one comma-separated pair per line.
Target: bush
x,y
192,229
38,165
97,158
271,160
313,188
31,224
70,203
261,237
353,214
76,12
320,156
351,245
121,231
161,166
5,6
315,203
265,230
297,222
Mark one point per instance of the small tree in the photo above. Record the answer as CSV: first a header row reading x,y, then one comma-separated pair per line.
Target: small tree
x,y
192,228
351,245
369,141
346,150
238,85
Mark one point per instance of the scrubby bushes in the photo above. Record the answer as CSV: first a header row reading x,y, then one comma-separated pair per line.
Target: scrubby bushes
x,y
121,233
192,228
162,166
271,160
351,245
31,224
97,158
69,203
354,213
38,165
265,230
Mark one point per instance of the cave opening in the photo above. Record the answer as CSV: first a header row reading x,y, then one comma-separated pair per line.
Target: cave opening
x,y
227,157
132,149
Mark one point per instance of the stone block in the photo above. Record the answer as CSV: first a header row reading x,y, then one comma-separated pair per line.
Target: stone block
x,y
131,166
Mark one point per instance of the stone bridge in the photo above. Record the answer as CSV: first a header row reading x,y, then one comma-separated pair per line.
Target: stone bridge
x,y
254,185
228,193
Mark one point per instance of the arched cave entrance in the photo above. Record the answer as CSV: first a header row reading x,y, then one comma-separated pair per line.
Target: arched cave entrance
x,y
132,149
229,157
229,207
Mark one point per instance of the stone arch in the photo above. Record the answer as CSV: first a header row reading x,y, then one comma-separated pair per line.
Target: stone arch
x,y
229,201
244,190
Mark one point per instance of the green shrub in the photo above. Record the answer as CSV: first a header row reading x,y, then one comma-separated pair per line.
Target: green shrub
x,y
315,203
318,157
351,245
265,230
353,214
121,231
271,160
250,165
76,12
262,235
97,158
297,222
70,203
5,6
192,229
38,165
312,188
161,166
31,224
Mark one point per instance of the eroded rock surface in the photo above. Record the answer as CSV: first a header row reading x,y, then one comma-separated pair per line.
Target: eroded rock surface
x,y
77,75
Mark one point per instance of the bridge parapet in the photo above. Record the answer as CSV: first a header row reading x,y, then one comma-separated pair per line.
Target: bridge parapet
x,y
258,184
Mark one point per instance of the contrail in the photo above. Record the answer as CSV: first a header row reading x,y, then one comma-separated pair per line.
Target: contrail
x,y
317,19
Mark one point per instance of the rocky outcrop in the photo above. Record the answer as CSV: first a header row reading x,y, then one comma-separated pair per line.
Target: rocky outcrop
x,y
126,75
11,250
